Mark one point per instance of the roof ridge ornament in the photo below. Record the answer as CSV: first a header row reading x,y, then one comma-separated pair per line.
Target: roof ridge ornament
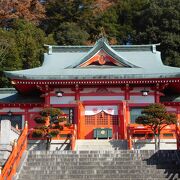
x,y
102,37
102,40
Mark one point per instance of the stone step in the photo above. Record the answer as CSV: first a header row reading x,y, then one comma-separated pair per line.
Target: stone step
x,y
104,165
86,160
119,173
99,162
119,178
87,164
140,152
111,154
104,176
85,168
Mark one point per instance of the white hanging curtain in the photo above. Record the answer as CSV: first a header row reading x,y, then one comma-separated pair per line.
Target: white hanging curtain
x,y
93,110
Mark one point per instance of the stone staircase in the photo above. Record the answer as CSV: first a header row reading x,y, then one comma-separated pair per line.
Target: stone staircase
x,y
100,145
101,165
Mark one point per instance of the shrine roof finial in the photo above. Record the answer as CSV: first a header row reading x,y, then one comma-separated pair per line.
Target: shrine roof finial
x,y
102,37
102,40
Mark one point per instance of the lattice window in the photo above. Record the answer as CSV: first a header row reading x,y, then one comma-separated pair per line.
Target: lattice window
x,y
90,120
114,120
102,119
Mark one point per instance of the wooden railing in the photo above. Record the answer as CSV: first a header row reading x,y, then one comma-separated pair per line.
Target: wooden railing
x,y
73,138
10,167
136,129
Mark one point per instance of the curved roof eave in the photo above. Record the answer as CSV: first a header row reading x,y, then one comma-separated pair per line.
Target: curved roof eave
x,y
88,76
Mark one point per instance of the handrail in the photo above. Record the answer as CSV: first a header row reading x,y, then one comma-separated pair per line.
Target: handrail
x,y
73,138
10,167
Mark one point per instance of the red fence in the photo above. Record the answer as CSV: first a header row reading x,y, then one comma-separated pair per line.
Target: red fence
x,y
140,132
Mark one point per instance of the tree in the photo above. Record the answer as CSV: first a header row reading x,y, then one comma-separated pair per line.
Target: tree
x,y
76,15
71,34
21,48
158,22
30,40
9,55
156,117
29,10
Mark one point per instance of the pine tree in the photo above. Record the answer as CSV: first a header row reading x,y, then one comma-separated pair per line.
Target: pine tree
x,y
156,117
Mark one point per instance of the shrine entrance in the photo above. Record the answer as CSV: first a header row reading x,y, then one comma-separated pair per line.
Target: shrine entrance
x,y
101,122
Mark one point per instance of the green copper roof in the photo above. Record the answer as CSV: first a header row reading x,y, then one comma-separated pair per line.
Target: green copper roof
x,y
170,98
10,95
62,63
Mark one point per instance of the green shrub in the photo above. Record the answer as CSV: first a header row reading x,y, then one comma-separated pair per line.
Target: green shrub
x,y
37,133
60,127
40,120
61,119
68,124
54,133
51,112
41,127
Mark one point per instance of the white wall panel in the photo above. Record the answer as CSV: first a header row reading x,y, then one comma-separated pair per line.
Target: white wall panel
x,y
12,110
36,109
101,98
61,100
142,99
165,144
171,109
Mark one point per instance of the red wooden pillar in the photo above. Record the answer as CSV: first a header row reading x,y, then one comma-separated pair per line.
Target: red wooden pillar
x,y
157,96
123,122
126,92
47,99
127,114
45,90
26,118
157,93
77,93
80,122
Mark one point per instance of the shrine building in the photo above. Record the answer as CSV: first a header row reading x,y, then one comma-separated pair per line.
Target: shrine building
x,y
99,87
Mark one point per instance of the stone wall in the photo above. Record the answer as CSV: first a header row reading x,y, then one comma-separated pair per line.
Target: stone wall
x,y
166,144
7,136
